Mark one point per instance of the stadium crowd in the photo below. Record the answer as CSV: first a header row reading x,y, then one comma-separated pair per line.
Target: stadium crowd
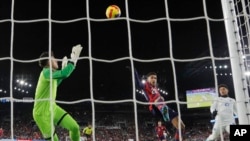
x,y
111,127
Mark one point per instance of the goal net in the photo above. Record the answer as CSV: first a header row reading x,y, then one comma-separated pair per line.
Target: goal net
x,y
190,45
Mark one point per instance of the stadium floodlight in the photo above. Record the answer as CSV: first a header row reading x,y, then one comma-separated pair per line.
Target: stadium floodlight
x,y
21,82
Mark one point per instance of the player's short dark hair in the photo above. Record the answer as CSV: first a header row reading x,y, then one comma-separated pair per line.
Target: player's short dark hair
x,y
43,62
223,85
151,73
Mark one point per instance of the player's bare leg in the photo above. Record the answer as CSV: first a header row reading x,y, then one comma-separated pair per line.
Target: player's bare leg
x,y
175,122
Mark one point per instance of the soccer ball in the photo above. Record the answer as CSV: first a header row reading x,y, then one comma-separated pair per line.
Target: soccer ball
x,y
113,11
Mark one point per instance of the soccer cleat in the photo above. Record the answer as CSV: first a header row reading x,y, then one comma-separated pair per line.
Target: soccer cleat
x,y
164,111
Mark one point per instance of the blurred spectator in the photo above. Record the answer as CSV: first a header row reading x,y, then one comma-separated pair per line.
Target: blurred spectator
x,y
1,132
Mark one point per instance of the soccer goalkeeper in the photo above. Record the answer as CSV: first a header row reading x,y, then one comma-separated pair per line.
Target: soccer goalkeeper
x,y
46,108
153,96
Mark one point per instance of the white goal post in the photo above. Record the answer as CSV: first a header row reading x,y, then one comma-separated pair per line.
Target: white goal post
x,y
232,18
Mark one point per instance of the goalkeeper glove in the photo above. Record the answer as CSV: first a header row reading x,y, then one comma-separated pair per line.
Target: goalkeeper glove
x,y
64,62
76,51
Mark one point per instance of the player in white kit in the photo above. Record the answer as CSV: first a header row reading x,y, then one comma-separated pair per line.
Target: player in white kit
x,y
223,109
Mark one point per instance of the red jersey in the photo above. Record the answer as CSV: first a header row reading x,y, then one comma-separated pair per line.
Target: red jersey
x,y
152,93
1,132
160,130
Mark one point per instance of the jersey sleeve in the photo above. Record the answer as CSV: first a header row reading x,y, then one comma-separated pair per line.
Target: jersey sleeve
x,y
235,108
59,74
213,106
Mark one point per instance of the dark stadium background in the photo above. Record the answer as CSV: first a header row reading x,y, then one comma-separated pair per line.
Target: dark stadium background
x,y
109,41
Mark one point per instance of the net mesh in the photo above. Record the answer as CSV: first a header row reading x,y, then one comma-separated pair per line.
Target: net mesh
x,y
184,42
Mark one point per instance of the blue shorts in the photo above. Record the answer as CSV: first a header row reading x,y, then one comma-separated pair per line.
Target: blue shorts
x,y
172,113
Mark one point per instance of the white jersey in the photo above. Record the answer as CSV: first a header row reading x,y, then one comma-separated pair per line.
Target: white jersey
x,y
226,109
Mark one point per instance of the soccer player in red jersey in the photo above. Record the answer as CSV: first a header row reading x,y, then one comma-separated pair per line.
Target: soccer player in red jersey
x,y
153,96
1,132
161,131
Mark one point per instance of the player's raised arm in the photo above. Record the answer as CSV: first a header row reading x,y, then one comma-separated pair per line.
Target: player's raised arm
x,y
64,62
75,54
138,80
138,83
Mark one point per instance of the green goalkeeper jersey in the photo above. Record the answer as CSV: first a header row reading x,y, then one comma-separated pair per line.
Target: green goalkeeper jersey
x,y
43,91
